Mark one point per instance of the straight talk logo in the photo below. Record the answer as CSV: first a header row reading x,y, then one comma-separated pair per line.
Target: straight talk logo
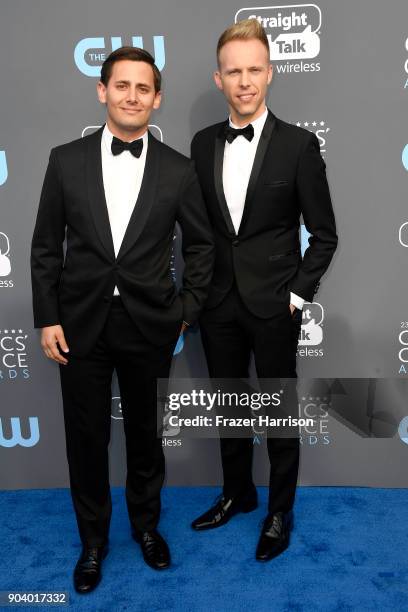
x,y
293,32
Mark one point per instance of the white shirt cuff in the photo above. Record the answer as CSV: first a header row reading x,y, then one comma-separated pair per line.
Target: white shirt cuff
x,y
296,300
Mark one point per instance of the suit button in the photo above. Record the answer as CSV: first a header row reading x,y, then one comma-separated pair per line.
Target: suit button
x,y
107,299
235,243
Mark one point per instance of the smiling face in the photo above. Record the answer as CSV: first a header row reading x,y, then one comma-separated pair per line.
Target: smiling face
x,y
243,76
130,98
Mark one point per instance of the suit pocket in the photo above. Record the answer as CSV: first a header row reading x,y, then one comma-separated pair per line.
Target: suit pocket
x,y
280,255
281,183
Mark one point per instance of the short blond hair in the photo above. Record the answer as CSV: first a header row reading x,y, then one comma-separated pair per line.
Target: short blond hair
x,y
247,29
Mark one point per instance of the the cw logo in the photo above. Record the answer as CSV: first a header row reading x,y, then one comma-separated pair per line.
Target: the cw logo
x,y
86,49
16,436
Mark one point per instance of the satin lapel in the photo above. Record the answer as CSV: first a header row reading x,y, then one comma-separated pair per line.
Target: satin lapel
x,y
146,197
96,192
257,165
218,164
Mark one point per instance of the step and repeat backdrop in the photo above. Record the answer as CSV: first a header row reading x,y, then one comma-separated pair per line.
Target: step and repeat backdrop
x,y
341,71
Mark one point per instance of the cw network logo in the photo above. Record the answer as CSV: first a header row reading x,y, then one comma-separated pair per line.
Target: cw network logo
x,y
403,430
16,437
403,234
293,33
90,53
3,168
404,157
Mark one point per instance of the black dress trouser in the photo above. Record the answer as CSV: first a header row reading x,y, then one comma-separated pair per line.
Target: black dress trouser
x,y
87,399
230,332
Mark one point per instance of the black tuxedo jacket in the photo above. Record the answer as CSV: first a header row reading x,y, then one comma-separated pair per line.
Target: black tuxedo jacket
x,y
76,290
288,179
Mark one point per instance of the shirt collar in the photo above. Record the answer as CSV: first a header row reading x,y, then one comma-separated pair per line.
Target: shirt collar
x,y
107,137
257,124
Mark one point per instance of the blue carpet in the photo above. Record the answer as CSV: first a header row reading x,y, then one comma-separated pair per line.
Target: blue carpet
x,y
348,552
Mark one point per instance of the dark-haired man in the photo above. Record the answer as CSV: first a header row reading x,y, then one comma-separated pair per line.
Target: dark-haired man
x,y
258,175
111,302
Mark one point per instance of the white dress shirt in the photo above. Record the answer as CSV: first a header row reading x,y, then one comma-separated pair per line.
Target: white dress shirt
x,y
239,158
122,178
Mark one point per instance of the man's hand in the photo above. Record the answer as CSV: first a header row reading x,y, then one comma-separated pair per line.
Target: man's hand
x,y
50,336
292,308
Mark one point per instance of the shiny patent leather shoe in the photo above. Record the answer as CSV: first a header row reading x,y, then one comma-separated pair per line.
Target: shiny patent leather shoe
x,y
87,573
224,510
275,535
154,549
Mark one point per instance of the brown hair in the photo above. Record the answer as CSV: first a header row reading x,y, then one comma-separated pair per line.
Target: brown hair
x,y
247,29
130,53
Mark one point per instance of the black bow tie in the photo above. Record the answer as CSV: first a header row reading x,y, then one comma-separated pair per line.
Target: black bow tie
x,y
135,147
231,133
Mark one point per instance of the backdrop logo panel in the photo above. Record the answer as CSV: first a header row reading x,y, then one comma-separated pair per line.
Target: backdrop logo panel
x,y
5,262
90,53
403,234
13,355
406,65
403,430
293,32
405,157
316,408
403,348
3,168
320,129
169,431
12,434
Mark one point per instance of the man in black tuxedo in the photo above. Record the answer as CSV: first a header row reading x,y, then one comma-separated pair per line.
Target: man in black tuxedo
x,y
258,175
111,301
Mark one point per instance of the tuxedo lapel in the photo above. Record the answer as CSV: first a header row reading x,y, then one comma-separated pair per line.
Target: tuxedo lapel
x,y
257,165
146,197
218,166
96,192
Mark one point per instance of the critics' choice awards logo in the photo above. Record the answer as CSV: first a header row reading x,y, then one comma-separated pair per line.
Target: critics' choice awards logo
x,y
3,168
90,53
16,431
13,355
403,348
316,408
403,333
293,32
5,262
320,129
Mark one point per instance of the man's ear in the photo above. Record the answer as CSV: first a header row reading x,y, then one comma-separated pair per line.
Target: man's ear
x,y
217,79
101,90
270,73
157,100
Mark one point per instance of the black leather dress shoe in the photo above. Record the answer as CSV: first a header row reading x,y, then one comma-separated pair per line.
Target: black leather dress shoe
x,y
224,510
87,573
274,537
154,549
